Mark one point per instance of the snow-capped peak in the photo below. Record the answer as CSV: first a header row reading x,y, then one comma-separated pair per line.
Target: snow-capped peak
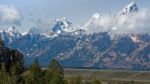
x,y
96,16
93,20
63,26
9,34
11,29
130,8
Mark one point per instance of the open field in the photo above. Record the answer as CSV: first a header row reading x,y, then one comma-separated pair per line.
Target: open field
x,y
139,77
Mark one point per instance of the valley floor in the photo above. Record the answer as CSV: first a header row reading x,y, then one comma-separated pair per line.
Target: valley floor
x,y
139,77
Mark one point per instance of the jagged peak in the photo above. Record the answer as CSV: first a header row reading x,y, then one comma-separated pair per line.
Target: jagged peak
x,y
63,19
11,29
94,19
130,8
96,16
63,26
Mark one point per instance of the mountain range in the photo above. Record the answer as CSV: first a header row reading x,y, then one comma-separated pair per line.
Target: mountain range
x,y
74,46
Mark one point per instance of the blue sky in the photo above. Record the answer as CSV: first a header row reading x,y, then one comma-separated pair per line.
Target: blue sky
x,y
77,11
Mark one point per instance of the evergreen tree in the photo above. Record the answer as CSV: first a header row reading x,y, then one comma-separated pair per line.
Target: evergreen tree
x,y
15,75
95,81
1,42
35,75
4,76
132,82
76,80
17,60
28,78
54,73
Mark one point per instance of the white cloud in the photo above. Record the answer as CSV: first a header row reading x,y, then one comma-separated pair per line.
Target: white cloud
x,y
130,23
42,26
9,15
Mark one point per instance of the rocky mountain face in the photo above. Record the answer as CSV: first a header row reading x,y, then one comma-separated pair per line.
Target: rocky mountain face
x,y
96,50
73,47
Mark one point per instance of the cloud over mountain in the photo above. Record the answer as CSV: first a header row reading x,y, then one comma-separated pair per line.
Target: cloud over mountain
x,y
9,15
131,21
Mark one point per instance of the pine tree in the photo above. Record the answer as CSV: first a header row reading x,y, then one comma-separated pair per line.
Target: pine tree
x,y
1,42
4,76
95,81
15,75
28,78
76,80
17,60
132,82
35,74
54,73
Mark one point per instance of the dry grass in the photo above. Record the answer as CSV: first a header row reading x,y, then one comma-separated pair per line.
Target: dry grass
x,y
139,77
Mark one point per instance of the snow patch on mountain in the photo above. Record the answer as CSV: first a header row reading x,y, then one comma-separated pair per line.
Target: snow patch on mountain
x,y
63,26
136,39
10,34
130,8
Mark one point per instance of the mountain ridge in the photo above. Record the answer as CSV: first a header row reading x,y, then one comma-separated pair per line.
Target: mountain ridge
x,y
72,46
